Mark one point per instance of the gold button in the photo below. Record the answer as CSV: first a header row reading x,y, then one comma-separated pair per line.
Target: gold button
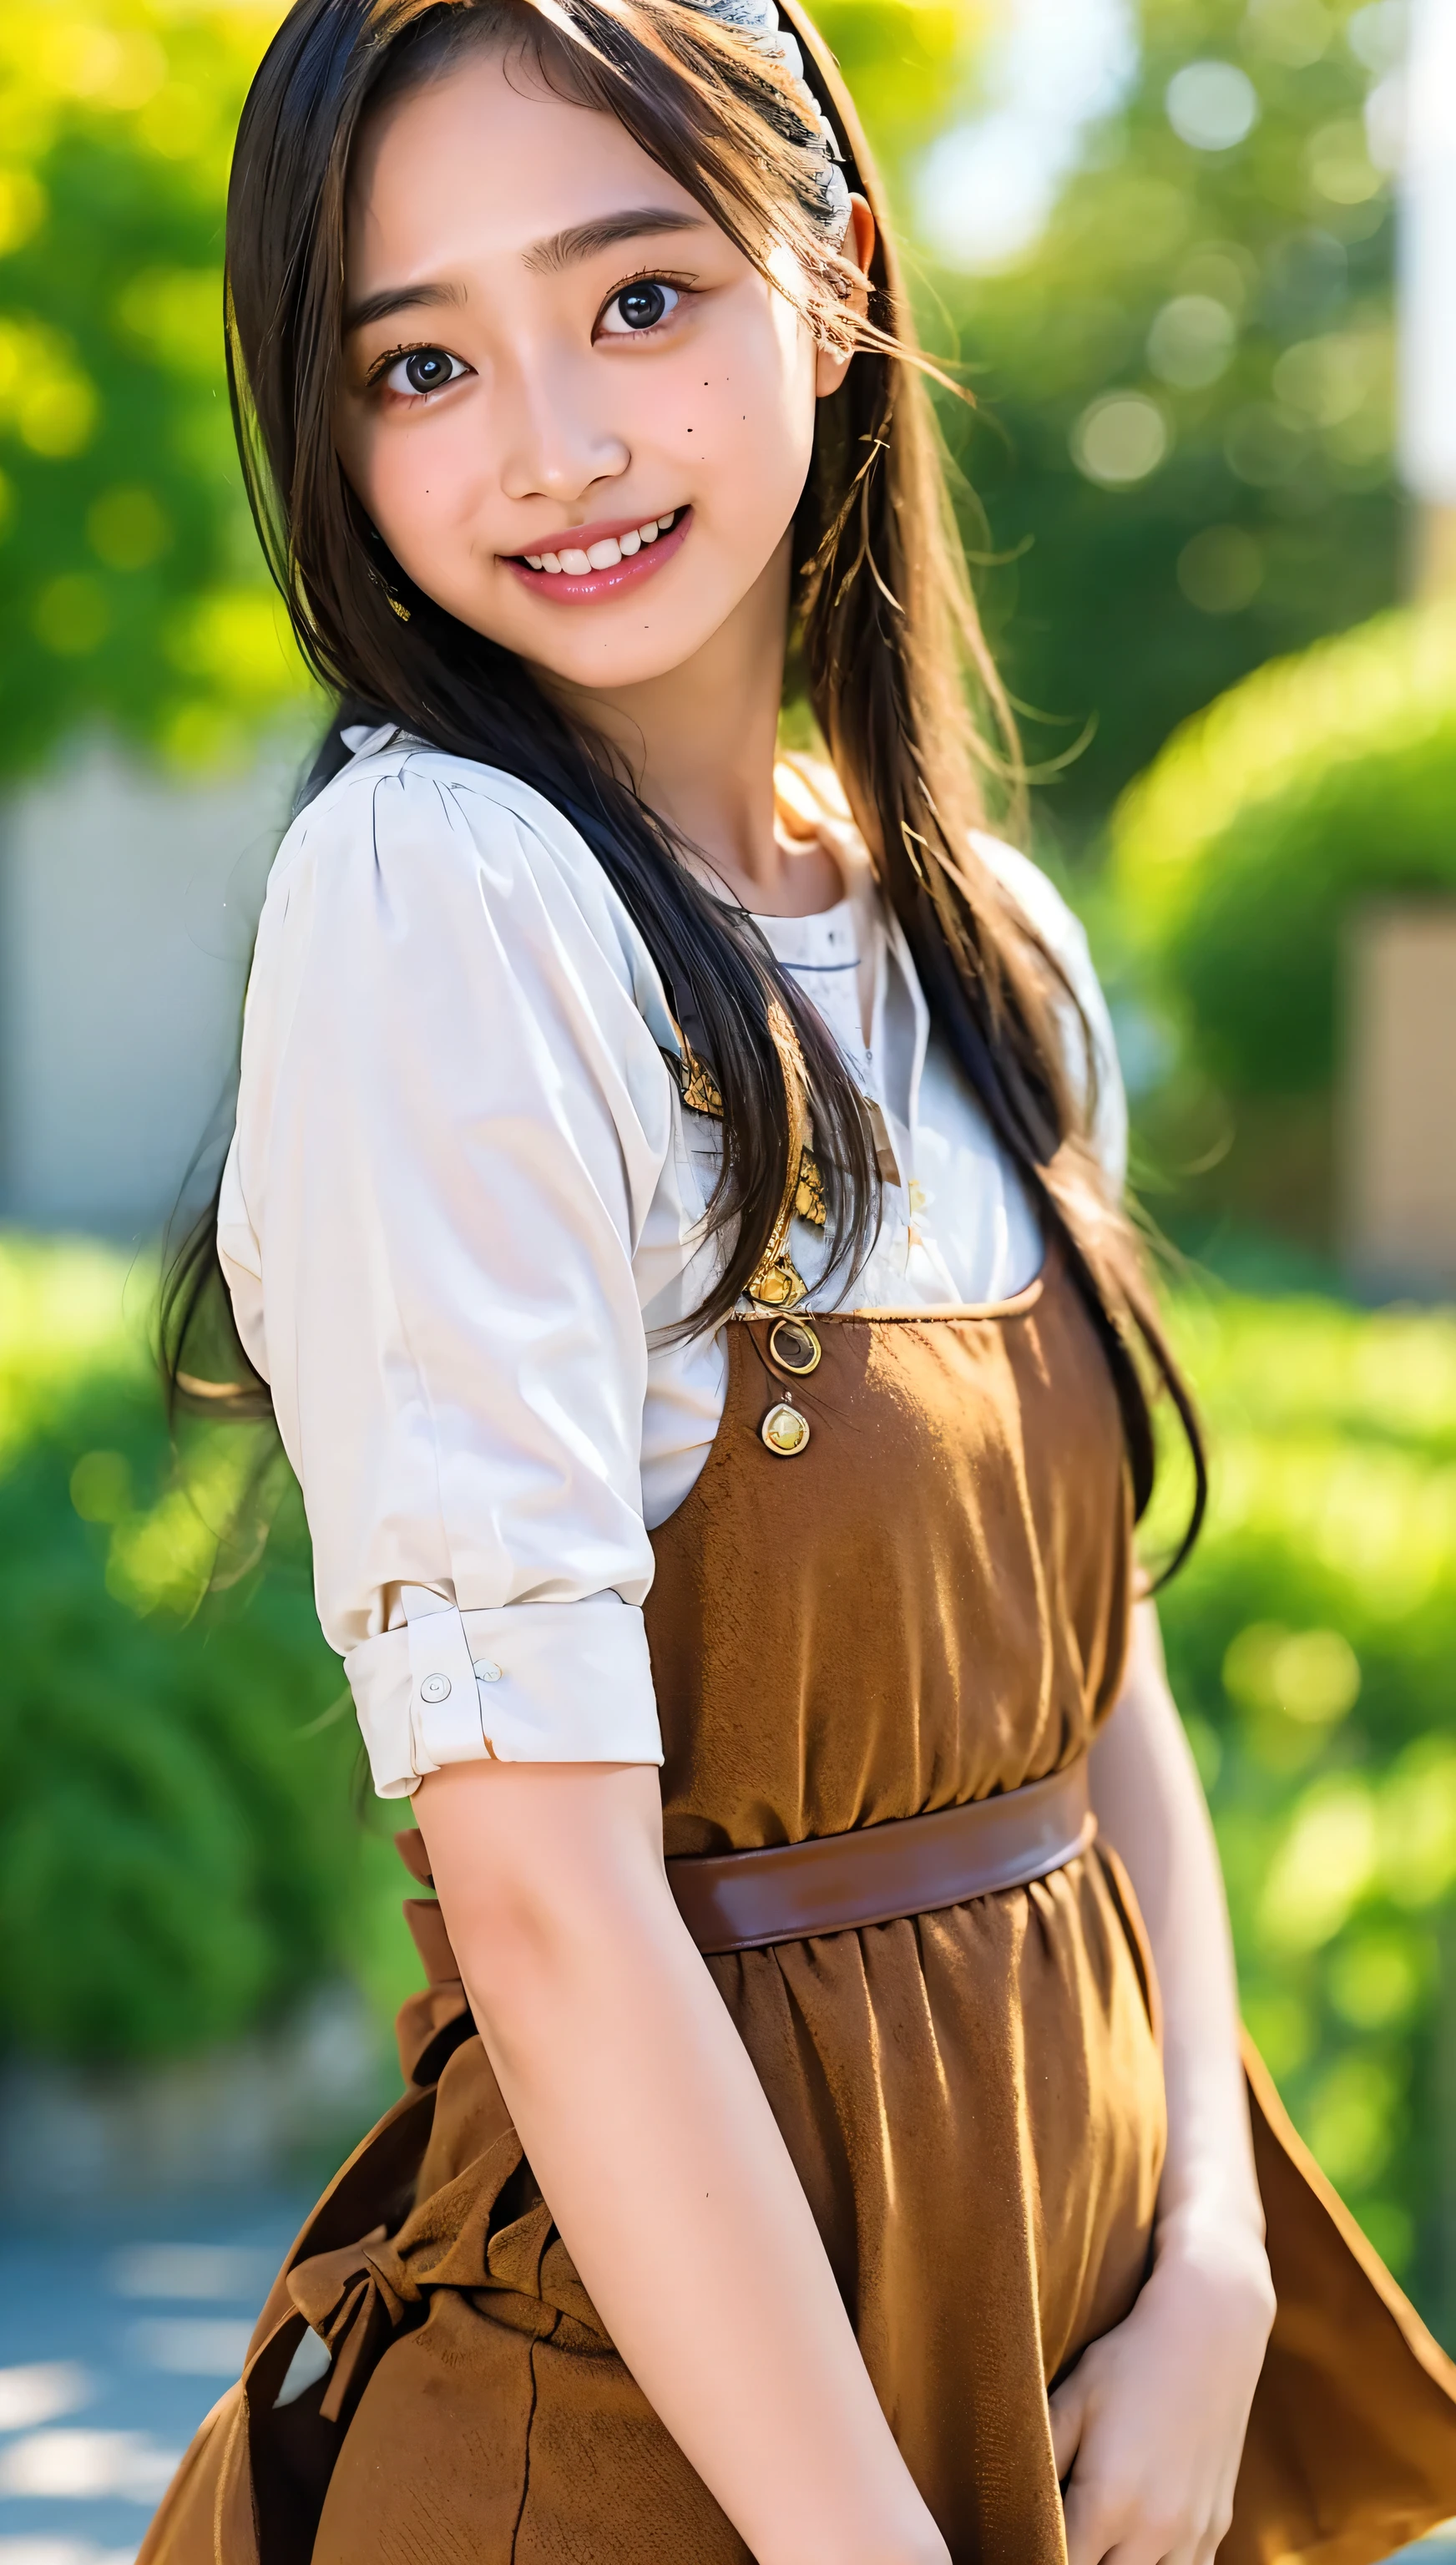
x,y
794,1346
785,1431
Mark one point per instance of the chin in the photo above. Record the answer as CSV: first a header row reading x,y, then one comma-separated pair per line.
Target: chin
x,y
636,661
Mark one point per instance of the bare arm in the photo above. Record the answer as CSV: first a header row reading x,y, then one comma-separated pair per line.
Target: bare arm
x,y
1151,2421
654,2145
1150,1807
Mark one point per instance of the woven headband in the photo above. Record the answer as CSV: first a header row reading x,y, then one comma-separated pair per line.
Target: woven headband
x,y
757,20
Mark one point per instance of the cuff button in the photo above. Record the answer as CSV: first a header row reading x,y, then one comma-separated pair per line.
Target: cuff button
x,y
436,1688
486,1670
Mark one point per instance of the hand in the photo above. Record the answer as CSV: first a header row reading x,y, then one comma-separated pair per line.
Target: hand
x,y
1151,2421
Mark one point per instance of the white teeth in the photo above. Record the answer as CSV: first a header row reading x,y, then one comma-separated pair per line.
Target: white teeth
x,y
603,554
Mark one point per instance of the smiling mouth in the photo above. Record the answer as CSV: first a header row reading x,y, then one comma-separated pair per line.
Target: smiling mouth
x,y
612,562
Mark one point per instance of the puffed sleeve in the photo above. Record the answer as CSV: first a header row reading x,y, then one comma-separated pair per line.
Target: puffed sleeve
x,y
1065,937
452,1117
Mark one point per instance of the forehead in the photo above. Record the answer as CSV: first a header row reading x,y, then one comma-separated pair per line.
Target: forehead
x,y
485,161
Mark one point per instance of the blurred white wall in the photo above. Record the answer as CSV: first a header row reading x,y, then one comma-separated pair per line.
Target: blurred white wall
x,y
127,905
1428,287
1429,257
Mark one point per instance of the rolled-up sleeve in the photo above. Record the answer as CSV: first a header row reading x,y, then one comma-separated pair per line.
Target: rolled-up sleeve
x,y
452,1117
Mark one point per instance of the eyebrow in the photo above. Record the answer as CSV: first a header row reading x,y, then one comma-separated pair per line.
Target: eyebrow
x,y
545,258
583,240
399,297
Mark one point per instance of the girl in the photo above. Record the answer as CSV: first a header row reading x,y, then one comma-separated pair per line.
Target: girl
x,y
676,1213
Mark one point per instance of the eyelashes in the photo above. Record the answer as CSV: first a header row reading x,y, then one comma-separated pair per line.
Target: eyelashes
x,y
423,370
641,306
639,309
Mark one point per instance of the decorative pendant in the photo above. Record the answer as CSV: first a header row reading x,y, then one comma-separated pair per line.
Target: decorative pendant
x,y
785,1431
794,1345
778,1285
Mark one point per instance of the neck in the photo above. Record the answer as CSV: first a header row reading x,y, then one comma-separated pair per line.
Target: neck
x,y
699,743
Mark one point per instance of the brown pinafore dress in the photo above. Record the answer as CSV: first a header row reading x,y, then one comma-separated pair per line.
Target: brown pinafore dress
x,y
927,1604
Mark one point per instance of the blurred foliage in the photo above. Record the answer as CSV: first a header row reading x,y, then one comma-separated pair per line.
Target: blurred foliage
x,y
902,59
1240,862
178,1856
134,585
1183,446
1311,1643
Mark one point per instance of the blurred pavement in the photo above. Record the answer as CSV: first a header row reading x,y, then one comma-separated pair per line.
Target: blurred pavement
x,y
118,2332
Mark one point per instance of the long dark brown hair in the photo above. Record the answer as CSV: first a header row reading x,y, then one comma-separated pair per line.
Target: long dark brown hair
x,y
884,640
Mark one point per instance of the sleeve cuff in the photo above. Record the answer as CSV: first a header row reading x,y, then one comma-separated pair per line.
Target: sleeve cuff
x,y
531,1683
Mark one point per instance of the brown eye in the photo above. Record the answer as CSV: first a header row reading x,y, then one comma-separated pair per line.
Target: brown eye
x,y
639,305
424,370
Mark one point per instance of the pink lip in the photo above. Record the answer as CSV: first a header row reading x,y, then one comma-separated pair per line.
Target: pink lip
x,y
597,584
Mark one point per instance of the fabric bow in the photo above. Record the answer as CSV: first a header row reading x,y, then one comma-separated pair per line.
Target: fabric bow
x,y
352,2298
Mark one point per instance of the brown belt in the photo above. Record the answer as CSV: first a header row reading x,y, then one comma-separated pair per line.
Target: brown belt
x,y
739,1901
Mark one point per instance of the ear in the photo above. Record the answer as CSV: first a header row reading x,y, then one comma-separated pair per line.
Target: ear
x,y
829,367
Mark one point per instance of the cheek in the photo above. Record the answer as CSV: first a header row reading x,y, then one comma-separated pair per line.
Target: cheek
x,y
415,477
757,434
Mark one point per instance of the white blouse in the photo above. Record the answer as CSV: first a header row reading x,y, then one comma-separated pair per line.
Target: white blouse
x,y
464,1199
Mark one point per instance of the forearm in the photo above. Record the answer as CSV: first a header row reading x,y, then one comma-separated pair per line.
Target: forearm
x,y
1150,1807
1149,2425
656,2147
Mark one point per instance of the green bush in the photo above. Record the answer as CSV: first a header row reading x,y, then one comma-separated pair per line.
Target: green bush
x,y
179,1855
1318,782
1311,1643
1239,864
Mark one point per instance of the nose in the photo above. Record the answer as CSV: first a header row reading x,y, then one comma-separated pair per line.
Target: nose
x,y
556,442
